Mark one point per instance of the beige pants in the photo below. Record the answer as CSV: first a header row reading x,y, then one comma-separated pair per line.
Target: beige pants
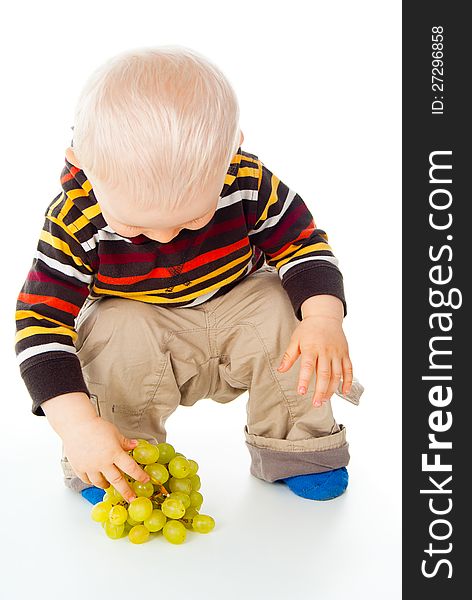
x,y
141,361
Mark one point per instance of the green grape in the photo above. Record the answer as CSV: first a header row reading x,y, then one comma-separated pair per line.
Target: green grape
x,y
180,485
110,498
174,532
179,467
113,531
138,534
196,482
196,499
140,509
131,522
146,454
184,498
190,512
143,489
118,515
157,472
188,516
100,511
203,523
166,453
114,494
127,528
193,468
180,454
156,521
173,508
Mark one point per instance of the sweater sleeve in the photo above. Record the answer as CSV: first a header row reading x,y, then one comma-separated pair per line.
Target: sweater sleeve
x,y
50,299
284,229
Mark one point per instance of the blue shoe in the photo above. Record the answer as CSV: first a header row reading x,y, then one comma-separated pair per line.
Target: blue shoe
x,y
319,486
93,494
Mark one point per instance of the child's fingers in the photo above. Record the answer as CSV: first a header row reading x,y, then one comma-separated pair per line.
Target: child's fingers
x,y
84,478
290,356
97,479
323,377
116,479
128,465
307,368
347,374
336,374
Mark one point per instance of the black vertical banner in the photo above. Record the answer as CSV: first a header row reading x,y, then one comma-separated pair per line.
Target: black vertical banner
x,y
437,324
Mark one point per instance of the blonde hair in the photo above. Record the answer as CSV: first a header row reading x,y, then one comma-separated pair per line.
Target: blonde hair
x,y
156,123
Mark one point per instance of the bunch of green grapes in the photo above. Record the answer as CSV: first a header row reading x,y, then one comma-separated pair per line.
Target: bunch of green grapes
x,y
169,503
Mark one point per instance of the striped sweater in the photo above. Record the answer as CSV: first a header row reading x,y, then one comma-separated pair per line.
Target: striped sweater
x,y
258,221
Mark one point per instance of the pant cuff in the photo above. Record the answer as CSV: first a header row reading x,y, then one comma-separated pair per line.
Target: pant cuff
x,y
273,459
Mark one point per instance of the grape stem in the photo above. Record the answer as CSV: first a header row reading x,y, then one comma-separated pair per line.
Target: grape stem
x,y
163,489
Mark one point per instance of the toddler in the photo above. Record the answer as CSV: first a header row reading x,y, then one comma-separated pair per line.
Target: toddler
x,y
175,266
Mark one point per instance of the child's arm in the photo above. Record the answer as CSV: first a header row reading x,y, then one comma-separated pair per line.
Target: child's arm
x,y
95,448
284,229
50,299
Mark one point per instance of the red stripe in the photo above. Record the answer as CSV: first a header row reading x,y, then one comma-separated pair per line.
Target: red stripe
x,y
66,178
284,227
304,234
37,276
171,247
163,272
50,301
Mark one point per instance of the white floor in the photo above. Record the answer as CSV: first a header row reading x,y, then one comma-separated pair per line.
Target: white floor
x,y
268,543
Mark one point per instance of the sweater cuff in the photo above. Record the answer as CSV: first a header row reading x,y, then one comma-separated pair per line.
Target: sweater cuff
x,y
51,378
310,281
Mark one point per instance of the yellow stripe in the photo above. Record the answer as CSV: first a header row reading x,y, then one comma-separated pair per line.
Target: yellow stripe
x,y
87,215
249,159
92,211
306,250
26,314
79,223
84,219
58,201
68,206
76,193
289,250
294,247
29,331
61,245
259,175
247,172
272,198
144,296
229,179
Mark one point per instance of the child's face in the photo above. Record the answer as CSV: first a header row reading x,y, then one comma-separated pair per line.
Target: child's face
x,y
127,220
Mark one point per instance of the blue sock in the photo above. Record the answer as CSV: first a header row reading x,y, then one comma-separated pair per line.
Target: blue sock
x,y
93,494
319,486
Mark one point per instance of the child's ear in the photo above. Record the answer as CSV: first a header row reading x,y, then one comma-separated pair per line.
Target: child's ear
x,y
70,155
241,138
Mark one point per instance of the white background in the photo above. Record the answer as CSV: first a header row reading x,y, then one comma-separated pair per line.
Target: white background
x,y
319,90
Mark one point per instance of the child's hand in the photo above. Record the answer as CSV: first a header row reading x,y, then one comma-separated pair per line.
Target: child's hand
x,y
323,347
98,453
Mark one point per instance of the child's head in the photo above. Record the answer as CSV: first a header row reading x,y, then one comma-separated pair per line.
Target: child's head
x,y
155,130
